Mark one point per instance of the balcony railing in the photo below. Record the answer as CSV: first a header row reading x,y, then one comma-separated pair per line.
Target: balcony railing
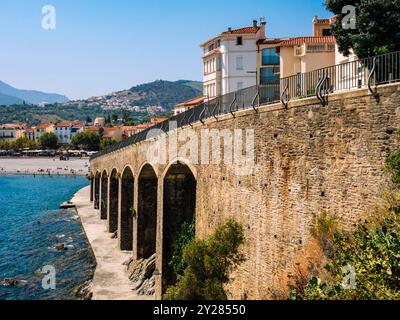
x,y
365,73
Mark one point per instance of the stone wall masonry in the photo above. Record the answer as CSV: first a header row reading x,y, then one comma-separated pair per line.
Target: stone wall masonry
x,y
308,159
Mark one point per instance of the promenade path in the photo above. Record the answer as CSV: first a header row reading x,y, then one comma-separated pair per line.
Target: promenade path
x,y
110,280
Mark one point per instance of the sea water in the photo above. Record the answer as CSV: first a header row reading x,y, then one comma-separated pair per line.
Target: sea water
x,y
31,227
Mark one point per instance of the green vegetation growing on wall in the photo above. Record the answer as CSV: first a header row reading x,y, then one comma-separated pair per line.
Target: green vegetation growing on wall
x,y
364,263
186,235
209,264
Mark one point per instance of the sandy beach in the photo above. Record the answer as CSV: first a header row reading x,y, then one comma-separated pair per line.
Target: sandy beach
x,y
44,166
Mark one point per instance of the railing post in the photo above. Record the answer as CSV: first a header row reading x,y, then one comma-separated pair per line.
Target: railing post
x,y
257,96
284,94
230,107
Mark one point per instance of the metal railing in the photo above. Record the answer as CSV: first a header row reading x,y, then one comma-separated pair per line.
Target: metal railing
x,y
364,73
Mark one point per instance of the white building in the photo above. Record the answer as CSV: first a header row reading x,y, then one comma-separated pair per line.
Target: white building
x,y
66,130
230,60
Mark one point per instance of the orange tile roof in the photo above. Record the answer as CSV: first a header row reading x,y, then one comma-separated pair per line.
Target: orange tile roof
x,y
112,129
245,30
93,128
158,120
270,41
297,41
191,102
44,125
63,124
13,126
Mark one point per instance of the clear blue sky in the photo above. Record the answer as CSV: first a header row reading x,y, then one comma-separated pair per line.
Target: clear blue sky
x,y
101,46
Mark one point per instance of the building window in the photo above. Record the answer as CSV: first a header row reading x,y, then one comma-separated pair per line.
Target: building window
x,y
326,32
239,41
239,63
270,57
269,75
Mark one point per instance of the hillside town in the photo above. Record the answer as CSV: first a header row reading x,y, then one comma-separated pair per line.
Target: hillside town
x,y
65,131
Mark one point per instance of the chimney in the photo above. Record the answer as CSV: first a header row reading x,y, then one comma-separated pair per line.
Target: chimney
x,y
229,29
255,23
263,23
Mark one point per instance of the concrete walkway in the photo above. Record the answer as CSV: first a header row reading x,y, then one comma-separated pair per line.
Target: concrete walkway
x,y
110,280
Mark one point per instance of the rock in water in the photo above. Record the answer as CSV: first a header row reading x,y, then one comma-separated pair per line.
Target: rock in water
x,y
141,274
10,282
60,247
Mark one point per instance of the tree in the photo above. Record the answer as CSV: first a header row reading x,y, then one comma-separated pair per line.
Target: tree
x,y
89,119
23,143
49,140
377,29
209,264
86,140
106,142
114,118
108,120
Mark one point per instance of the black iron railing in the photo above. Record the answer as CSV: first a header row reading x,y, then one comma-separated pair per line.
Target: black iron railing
x,y
364,73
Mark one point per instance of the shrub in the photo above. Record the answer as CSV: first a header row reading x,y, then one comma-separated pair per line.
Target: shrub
x,y
186,235
209,264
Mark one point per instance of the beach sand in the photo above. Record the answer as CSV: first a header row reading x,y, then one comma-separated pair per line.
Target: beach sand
x,y
44,166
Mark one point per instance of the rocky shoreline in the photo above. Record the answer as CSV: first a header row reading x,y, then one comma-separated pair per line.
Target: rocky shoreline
x,y
141,273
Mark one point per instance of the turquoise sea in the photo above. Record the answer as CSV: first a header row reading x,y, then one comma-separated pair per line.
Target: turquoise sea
x,y
31,226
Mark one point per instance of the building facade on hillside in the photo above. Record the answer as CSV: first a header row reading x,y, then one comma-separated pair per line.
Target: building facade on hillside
x,y
12,132
66,130
42,129
99,122
187,105
129,131
113,133
30,133
229,60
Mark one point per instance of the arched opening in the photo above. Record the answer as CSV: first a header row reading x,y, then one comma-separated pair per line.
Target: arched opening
x,y
127,202
179,205
113,202
147,213
104,194
97,191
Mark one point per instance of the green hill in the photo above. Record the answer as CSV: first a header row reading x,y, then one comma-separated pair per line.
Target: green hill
x,y
166,93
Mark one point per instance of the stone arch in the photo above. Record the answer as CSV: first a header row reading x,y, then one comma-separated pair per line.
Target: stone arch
x,y
179,205
97,190
146,164
127,206
180,161
104,195
147,212
113,201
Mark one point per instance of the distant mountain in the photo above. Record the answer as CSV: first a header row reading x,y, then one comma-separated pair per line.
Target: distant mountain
x,y
165,93
9,100
29,96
